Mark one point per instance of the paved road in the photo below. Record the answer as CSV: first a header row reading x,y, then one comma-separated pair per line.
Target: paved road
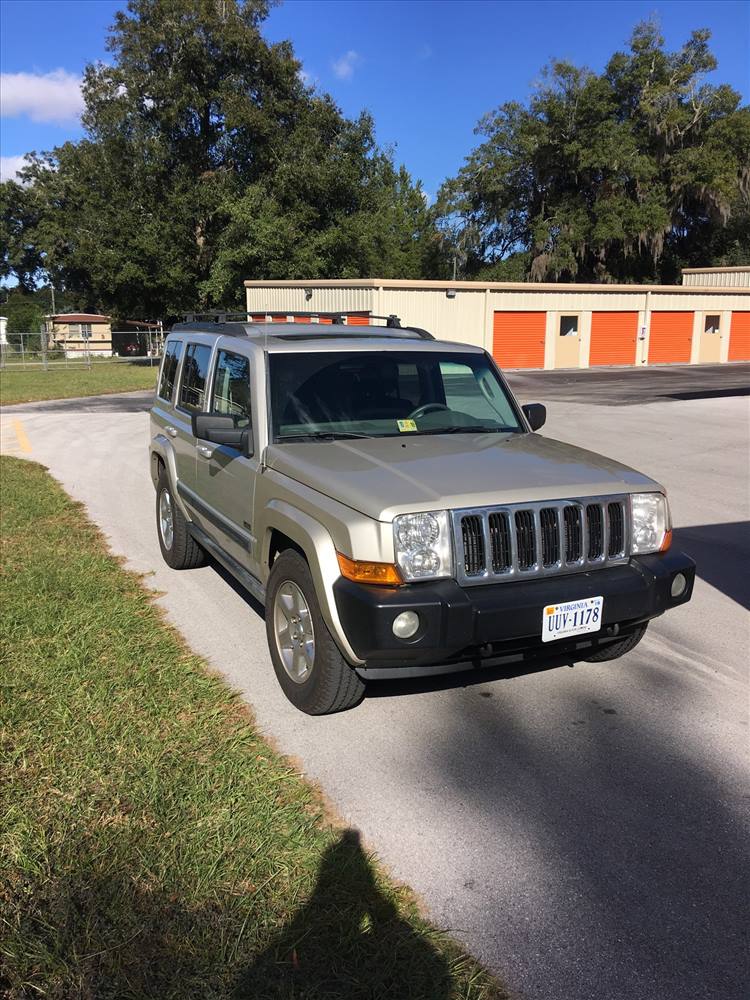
x,y
615,387
582,829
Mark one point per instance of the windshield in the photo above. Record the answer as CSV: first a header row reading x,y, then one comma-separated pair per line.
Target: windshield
x,y
370,394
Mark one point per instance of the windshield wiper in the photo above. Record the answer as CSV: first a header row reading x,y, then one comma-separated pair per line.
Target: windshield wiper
x,y
480,429
322,436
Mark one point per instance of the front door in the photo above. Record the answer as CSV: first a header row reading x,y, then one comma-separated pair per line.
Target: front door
x,y
226,476
710,345
568,342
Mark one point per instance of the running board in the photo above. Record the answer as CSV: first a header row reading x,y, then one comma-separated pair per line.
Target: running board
x,y
248,581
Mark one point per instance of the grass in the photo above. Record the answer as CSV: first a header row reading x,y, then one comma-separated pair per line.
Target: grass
x,y
152,844
66,383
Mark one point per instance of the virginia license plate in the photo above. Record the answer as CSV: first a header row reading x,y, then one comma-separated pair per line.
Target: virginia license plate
x,y
560,621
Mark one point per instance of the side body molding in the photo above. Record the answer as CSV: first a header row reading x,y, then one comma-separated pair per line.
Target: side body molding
x,y
318,546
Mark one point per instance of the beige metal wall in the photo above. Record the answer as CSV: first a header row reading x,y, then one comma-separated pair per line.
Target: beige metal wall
x,y
463,318
718,277
464,311
274,297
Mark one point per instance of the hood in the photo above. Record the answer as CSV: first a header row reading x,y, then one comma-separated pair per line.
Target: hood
x,y
382,477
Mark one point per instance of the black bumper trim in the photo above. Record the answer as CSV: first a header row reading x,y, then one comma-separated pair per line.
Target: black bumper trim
x,y
508,616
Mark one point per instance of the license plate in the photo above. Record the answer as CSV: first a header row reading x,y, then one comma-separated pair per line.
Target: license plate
x,y
560,621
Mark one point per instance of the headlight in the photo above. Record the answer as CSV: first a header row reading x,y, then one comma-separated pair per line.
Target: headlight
x,y
651,525
422,543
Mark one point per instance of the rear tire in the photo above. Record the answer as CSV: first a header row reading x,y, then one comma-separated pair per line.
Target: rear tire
x,y
178,547
614,650
308,664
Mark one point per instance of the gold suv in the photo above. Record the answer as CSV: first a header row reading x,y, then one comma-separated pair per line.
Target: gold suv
x,y
386,498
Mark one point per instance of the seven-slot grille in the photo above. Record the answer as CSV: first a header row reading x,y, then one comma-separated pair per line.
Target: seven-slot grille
x,y
524,540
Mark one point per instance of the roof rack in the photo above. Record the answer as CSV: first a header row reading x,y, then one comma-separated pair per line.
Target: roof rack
x,y
340,317
392,322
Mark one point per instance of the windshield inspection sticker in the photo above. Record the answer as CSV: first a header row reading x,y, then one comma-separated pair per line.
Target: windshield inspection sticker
x,y
406,425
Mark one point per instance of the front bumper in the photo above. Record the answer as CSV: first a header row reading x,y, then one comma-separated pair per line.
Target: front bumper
x,y
473,623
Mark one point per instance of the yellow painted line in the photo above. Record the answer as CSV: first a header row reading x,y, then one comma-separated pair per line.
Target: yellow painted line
x,y
23,442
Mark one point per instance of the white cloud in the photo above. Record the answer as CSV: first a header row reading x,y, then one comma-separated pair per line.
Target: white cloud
x,y
43,97
309,79
343,67
9,167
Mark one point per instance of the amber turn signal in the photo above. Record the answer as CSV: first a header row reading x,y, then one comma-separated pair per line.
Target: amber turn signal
x,y
667,540
385,574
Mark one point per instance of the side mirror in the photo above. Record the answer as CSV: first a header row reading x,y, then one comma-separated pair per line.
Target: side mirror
x,y
536,414
221,428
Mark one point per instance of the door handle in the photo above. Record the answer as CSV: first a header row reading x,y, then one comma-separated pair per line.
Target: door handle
x,y
172,431
204,450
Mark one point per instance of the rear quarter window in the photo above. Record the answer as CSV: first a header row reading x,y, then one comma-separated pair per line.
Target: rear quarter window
x,y
169,367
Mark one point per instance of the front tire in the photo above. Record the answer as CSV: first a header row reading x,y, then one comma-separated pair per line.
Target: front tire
x,y
614,650
178,547
308,664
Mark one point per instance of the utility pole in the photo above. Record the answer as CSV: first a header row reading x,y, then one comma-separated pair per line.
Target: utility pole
x,y
52,292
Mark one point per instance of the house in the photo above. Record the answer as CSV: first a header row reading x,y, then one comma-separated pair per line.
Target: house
x,y
80,333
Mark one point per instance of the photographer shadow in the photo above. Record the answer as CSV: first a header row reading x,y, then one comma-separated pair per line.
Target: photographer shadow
x,y
348,940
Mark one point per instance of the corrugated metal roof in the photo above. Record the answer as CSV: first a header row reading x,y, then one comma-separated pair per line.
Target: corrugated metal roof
x,y
482,286
79,318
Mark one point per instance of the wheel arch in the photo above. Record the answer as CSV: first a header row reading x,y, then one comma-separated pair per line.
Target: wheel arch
x,y
287,524
162,458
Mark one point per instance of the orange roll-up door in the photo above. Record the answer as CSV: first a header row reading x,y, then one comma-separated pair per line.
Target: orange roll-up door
x,y
613,338
739,337
671,337
518,339
357,320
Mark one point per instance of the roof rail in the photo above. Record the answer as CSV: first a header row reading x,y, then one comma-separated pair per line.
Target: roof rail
x,y
392,322
216,317
341,315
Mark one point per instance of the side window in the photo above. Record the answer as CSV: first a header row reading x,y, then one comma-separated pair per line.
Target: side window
x,y
475,393
409,388
169,369
231,394
194,372
459,385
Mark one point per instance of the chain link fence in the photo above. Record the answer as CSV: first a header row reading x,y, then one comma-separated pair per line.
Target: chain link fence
x,y
28,351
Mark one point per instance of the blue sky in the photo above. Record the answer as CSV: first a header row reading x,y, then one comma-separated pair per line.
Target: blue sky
x,y
426,70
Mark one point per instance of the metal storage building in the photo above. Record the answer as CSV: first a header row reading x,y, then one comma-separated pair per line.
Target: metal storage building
x,y
534,325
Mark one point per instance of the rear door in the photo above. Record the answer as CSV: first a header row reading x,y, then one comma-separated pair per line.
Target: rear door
x,y
162,410
226,476
190,399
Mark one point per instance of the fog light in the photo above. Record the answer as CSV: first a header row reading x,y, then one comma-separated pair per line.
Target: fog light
x,y
679,585
406,624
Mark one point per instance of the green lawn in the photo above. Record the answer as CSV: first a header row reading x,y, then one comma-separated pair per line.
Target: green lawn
x,y
152,844
18,386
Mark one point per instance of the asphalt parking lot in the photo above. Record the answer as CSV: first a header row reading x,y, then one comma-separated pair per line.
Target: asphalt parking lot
x,y
582,828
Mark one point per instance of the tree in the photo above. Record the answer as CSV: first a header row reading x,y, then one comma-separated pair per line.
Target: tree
x,y
625,175
20,257
207,160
